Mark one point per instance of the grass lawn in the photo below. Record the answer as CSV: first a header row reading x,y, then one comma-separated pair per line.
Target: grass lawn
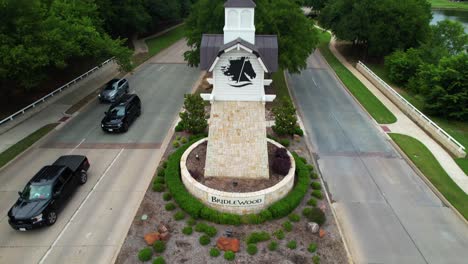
x,y
156,44
279,84
457,129
25,143
427,163
446,4
375,108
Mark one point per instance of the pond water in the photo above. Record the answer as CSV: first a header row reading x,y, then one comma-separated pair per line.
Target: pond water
x,y
460,16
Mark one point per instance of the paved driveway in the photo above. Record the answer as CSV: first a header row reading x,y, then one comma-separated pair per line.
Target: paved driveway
x,y
96,220
387,212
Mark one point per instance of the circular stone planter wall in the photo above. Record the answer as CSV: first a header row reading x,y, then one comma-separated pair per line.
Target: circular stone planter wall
x,y
233,202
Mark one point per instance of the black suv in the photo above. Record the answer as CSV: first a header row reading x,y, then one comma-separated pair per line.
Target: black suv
x,y
121,114
47,192
114,90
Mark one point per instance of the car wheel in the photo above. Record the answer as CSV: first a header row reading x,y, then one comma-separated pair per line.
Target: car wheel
x,y
83,177
125,127
51,218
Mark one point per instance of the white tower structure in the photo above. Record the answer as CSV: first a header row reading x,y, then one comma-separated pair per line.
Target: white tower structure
x,y
239,21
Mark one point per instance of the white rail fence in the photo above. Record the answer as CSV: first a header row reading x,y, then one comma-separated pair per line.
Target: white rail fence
x,y
421,119
56,91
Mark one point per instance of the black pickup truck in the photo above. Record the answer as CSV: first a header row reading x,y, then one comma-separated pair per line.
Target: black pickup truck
x,y
47,192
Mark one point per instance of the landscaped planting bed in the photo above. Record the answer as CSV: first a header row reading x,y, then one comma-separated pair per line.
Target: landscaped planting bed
x,y
282,235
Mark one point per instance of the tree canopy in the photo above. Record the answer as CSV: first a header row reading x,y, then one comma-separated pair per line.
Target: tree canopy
x,y
37,35
381,26
297,36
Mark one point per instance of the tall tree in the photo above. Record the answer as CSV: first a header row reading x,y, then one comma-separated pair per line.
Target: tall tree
x,y
381,26
297,36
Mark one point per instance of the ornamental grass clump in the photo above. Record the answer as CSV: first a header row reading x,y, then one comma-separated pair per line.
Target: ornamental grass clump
x,y
204,240
312,202
273,246
159,260
229,255
252,249
294,217
292,244
167,196
312,247
279,234
170,207
179,216
145,254
314,214
187,230
316,185
317,194
159,246
214,252
256,237
287,226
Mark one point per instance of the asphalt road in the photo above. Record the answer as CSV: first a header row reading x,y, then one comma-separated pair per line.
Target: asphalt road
x,y
96,220
388,214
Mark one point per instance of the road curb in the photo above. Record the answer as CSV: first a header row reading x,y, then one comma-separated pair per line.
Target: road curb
x,y
325,188
426,180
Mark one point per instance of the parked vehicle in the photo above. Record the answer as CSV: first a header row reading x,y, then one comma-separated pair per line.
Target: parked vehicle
x,y
114,90
122,114
47,192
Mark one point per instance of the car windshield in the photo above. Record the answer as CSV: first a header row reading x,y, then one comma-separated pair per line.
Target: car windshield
x,y
117,111
37,192
111,85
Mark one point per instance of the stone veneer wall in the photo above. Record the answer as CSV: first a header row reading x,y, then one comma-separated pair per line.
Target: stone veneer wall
x,y
269,195
237,145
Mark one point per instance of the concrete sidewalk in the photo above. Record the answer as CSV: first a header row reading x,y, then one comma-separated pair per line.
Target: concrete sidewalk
x,y
53,110
406,126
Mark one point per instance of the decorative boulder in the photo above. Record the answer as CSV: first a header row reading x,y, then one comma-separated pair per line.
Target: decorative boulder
x,y
313,227
162,228
150,238
225,244
321,233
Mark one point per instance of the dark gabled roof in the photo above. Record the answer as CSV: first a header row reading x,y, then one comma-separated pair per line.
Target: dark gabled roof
x,y
239,3
266,47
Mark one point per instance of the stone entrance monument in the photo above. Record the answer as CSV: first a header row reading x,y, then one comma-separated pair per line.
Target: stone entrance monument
x,y
237,143
239,59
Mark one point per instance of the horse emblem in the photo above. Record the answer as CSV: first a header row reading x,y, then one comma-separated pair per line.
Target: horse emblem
x,y
241,72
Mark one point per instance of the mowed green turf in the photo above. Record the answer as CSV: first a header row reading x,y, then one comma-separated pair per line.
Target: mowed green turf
x,y
25,143
428,164
375,108
449,4
161,42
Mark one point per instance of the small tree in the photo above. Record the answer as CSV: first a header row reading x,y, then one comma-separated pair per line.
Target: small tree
x,y
285,118
193,118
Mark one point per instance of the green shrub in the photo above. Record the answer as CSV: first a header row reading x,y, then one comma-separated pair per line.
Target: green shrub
x,y
294,218
170,207
159,260
314,175
214,252
201,227
196,209
312,247
158,187
161,172
159,246
286,205
204,240
163,165
179,216
285,118
183,140
145,254
177,137
229,255
187,230
284,141
316,259
175,144
167,196
179,127
316,185
312,202
273,246
211,231
292,244
310,167
252,249
314,214
287,226
193,118
298,131
191,222
159,180
317,194
256,237
279,234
